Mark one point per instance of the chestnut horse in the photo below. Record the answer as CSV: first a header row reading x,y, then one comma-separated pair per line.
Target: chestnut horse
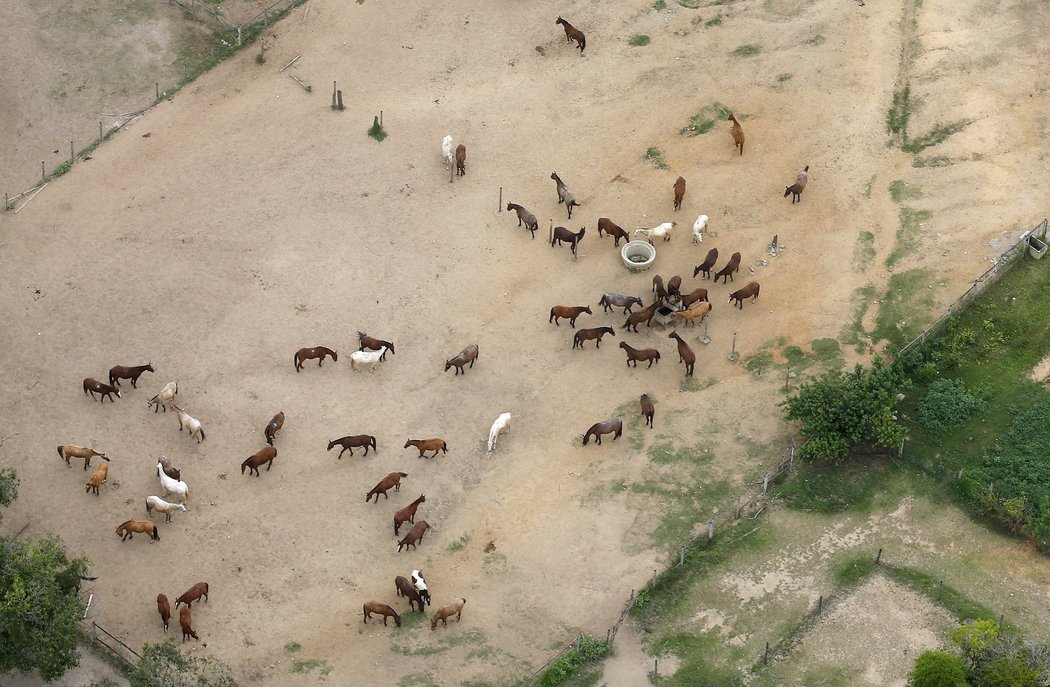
x,y
318,352
600,428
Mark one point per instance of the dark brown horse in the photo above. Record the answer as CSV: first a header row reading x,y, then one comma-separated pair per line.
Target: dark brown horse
x,y
707,264
467,355
391,480
644,354
133,373
374,344
408,513
594,334
612,229
274,427
264,455
647,409
570,312
732,266
93,386
685,354
349,443
749,291
600,428
404,588
318,352
646,315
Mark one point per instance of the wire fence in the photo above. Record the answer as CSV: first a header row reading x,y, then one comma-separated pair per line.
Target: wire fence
x,y
228,39
1028,242
749,503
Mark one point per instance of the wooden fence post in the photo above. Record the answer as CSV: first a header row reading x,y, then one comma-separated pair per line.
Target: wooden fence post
x,y
72,157
681,556
820,604
156,85
43,174
710,529
878,557
765,483
499,207
765,657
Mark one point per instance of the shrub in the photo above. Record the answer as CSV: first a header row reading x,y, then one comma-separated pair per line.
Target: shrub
x,y
1011,671
938,669
947,405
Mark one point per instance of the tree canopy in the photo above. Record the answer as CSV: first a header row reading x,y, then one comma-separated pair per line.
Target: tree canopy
x,y
841,411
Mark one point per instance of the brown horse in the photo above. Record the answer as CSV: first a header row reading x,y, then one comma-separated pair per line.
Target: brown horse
x,y
447,611
600,428
93,386
570,312
707,264
647,409
318,352
264,455
732,266
685,354
274,427
461,160
120,372
164,608
414,536
404,588
349,443
694,297
192,594
573,34
391,480
407,514
609,227
749,291
436,444
643,354
373,344
594,334
467,355
185,620
738,133
645,315
382,609
679,192
141,526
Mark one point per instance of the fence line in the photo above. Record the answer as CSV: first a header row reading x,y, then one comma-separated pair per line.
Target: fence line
x,y
103,637
238,35
1003,264
731,511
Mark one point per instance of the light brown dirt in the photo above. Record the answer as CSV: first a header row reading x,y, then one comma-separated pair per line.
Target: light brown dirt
x,y
252,221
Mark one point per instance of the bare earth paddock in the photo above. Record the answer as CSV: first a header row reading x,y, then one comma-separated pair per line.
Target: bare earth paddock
x,y
243,220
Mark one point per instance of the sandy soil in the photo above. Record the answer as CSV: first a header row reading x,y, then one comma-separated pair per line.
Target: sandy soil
x,y
244,220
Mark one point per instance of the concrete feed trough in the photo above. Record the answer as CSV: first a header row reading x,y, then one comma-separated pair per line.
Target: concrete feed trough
x,y
638,255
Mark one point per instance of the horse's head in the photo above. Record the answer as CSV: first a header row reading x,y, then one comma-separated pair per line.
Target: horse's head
x,y
448,364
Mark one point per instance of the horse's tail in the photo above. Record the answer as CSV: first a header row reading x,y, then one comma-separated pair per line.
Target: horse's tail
x,y
295,361
202,434
60,454
156,535
372,441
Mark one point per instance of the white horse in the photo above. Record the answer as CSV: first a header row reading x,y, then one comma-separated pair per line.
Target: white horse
x,y
421,586
660,231
497,428
173,486
156,503
370,358
698,229
446,150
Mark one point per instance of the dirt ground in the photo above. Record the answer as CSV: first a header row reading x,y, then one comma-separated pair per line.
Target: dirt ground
x,y
244,219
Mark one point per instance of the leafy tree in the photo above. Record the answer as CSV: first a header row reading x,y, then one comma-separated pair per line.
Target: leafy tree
x,y
1011,671
938,669
163,665
976,637
947,405
39,607
843,410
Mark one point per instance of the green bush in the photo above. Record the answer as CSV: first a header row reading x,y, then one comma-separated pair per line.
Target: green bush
x,y
938,669
947,405
1008,671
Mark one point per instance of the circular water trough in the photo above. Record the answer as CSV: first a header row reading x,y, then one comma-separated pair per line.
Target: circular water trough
x,y
638,255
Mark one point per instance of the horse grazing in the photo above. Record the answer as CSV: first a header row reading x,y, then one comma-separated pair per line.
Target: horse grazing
x,y
565,195
674,287
498,427
120,372
373,344
68,451
699,310
679,192
156,503
796,188
461,160
467,355
738,133
185,620
424,445
609,227
658,288
164,608
318,352
192,594
93,386
189,423
405,588
382,609
97,478
264,455
170,485
647,409
274,427
610,300
126,529
421,586
732,266
573,34
644,354
531,224
694,297
560,234
707,264
447,611
749,291
369,358
414,536
169,470
349,443
166,396
571,312
407,514
685,354
391,480
600,428
645,315
594,334
446,150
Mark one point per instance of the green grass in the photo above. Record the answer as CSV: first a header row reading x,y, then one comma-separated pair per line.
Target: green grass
x,y
854,332
784,78
714,21
689,4
935,136
945,596
900,191
822,488
748,50
864,250
376,131
459,544
577,667
868,187
694,384
472,637
906,308
934,161
638,40
292,647
853,570
758,363
656,156
660,5
815,40
306,665
701,659
900,111
704,120
908,234
417,680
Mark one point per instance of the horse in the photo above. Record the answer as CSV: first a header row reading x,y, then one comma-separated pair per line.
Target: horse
x,y
404,588
685,354
264,455
647,409
643,354
407,514
127,529
600,428
120,372
467,355
93,386
382,609
391,480
447,611
318,352
349,443
594,334
436,444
